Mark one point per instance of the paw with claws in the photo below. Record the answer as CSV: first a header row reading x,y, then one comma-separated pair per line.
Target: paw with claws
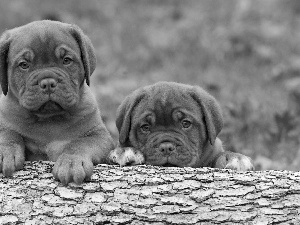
x,y
11,158
72,168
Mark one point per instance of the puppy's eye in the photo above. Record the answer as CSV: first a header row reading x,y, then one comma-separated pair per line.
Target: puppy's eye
x,y
24,65
186,124
145,128
67,61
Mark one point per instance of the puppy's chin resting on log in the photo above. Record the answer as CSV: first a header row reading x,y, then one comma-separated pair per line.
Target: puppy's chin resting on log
x,y
47,110
172,124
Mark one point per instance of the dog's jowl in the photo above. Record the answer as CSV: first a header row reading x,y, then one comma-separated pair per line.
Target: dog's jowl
x,y
47,110
172,124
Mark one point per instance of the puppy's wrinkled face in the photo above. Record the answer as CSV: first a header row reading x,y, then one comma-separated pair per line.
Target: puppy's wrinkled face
x,y
168,131
45,69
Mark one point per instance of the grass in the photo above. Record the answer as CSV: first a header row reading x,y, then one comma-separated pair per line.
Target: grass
x,y
244,52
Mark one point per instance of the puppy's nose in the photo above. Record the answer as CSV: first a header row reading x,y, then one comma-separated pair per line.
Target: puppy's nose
x,y
166,147
48,84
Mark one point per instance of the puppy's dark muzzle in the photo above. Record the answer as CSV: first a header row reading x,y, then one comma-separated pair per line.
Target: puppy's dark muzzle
x,y
46,91
48,85
47,79
166,148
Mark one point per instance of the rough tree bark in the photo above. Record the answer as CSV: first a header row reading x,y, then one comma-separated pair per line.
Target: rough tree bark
x,y
151,195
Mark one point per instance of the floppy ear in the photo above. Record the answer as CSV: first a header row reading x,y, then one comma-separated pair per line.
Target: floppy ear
x,y
88,55
124,116
4,48
211,110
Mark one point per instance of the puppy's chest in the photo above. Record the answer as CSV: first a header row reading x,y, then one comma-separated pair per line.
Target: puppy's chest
x,y
43,150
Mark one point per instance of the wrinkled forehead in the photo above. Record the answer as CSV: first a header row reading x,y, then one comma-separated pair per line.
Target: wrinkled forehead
x,y
41,38
168,96
164,103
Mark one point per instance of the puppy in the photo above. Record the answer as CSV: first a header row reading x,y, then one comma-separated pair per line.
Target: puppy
x,y
172,124
47,111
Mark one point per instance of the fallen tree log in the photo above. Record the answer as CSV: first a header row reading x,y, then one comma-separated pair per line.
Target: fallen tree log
x,y
152,195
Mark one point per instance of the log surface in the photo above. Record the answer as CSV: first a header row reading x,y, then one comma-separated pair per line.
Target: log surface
x,y
151,195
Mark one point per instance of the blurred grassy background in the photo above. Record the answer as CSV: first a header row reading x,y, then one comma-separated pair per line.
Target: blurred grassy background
x,y
244,52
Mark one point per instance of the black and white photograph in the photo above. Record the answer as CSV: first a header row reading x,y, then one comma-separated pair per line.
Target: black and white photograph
x,y
150,112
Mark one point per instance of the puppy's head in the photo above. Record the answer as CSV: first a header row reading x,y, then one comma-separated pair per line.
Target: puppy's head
x,y
44,64
172,124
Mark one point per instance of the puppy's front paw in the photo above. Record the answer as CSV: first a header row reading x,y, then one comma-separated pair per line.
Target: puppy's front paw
x,y
70,168
126,156
234,161
11,158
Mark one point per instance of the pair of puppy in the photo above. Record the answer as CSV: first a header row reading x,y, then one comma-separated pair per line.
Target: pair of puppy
x,y
47,111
